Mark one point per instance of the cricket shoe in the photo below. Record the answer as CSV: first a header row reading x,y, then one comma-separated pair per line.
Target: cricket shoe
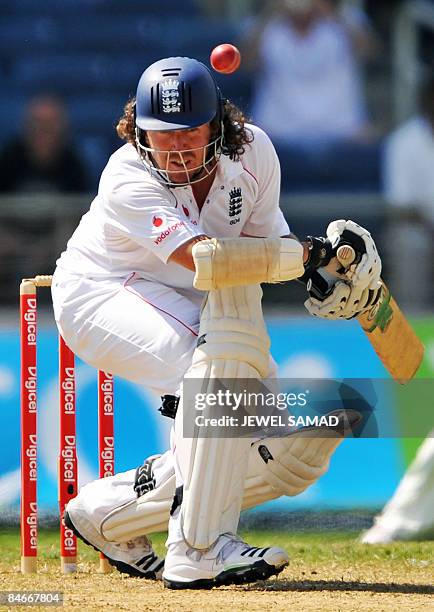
x,y
136,557
228,561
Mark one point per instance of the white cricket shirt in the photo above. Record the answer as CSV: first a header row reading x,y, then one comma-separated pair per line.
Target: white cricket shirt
x,y
135,223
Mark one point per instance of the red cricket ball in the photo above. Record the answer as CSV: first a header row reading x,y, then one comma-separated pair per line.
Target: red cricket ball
x,y
225,58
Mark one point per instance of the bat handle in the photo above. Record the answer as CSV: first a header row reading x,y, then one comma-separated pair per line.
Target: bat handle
x,y
346,255
318,286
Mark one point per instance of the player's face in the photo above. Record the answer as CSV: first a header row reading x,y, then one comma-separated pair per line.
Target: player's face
x,y
181,153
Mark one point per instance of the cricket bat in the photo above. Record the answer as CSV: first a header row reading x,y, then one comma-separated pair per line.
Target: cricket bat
x,y
387,329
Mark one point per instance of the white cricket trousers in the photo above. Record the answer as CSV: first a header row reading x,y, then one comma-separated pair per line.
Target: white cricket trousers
x,y
140,330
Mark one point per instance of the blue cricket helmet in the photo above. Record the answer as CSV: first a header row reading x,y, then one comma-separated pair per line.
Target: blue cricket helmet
x,y
176,93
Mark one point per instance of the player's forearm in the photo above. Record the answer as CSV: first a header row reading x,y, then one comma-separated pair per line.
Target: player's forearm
x,y
183,255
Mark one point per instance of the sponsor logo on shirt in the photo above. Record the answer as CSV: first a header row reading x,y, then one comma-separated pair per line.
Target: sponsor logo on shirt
x,y
157,221
235,205
168,231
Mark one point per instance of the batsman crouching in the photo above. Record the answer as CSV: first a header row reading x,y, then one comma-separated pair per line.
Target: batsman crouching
x,y
127,296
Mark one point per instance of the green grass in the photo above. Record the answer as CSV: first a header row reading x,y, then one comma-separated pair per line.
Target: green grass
x,y
329,546
328,571
49,546
307,547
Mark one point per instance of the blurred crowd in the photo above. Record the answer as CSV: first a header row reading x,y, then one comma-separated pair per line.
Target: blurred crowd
x,y
306,57
305,79
40,160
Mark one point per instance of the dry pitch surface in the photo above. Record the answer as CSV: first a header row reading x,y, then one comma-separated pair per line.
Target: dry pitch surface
x,y
328,571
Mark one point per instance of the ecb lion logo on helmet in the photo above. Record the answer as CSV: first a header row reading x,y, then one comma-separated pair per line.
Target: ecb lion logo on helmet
x,y
170,96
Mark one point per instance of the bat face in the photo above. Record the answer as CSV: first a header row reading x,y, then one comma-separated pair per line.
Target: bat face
x,y
392,337
388,330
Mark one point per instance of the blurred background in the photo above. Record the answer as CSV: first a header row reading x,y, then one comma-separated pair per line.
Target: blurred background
x,y
344,88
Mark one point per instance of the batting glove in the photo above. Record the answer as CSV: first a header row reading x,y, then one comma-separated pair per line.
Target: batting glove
x,y
342,301
365,272
320,253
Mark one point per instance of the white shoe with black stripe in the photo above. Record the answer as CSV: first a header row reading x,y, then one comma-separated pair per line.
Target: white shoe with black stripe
x,y
136,557
229,561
